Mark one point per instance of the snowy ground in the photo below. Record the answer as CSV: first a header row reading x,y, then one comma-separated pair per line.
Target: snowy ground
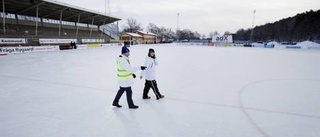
x,y
209,92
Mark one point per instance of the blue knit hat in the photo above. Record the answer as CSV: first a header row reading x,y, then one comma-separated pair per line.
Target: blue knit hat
x,y
124,50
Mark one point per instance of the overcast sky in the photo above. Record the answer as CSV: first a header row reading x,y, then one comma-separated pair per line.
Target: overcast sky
x,y
203,16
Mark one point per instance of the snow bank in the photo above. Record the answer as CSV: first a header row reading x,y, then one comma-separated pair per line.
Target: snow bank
x,y
309,45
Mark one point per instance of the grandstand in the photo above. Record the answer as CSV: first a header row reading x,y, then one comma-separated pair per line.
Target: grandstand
x,y
33,20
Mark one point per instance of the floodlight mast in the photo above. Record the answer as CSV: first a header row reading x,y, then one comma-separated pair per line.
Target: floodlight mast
x,y
251,35
4,18
107,6
177,35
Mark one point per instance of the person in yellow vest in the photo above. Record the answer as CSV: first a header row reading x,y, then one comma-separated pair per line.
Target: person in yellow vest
x,y
125,78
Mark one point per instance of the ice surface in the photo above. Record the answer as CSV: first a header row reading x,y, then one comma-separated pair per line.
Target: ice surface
x,y
209,92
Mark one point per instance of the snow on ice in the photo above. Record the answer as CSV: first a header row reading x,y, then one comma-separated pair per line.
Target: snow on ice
x,y
209,92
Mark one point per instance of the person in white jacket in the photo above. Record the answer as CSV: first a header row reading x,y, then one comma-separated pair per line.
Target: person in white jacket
x,y
150,62
125,78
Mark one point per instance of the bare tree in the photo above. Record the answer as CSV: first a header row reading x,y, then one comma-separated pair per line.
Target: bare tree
x,y
111,30
187,34
203,36
153,28
213,34
227,33
132,26
164,34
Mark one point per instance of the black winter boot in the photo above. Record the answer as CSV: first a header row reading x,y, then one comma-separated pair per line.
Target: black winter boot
x,y
117,105
161,96
133,107
146,97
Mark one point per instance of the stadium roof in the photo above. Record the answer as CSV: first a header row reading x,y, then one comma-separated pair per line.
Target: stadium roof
x,y
52,9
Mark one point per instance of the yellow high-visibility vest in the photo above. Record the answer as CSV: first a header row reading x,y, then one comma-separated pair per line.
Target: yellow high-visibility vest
x,y
123,74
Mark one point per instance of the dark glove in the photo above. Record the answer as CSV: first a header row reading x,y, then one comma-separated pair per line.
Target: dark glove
x,y
133,75
154,57
143,67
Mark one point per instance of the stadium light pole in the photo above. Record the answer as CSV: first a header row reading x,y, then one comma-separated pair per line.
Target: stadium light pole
x,y
178,21
107,7
37,16
251,36
177,35
4,17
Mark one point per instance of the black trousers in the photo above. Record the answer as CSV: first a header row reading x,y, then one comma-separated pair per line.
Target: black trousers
x,y
151,84
129,96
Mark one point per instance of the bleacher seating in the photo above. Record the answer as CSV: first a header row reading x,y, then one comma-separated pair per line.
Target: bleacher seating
x,y
13,30
29,32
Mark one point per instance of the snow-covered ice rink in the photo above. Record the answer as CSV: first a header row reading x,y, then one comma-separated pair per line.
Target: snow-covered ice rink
x,y
209,92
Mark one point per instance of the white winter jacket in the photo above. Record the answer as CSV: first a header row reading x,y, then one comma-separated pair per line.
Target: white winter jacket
x,y
126,66
149,72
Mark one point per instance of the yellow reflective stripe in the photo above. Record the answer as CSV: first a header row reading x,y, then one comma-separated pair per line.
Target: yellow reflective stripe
x,y
121,70
119,75
124,78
